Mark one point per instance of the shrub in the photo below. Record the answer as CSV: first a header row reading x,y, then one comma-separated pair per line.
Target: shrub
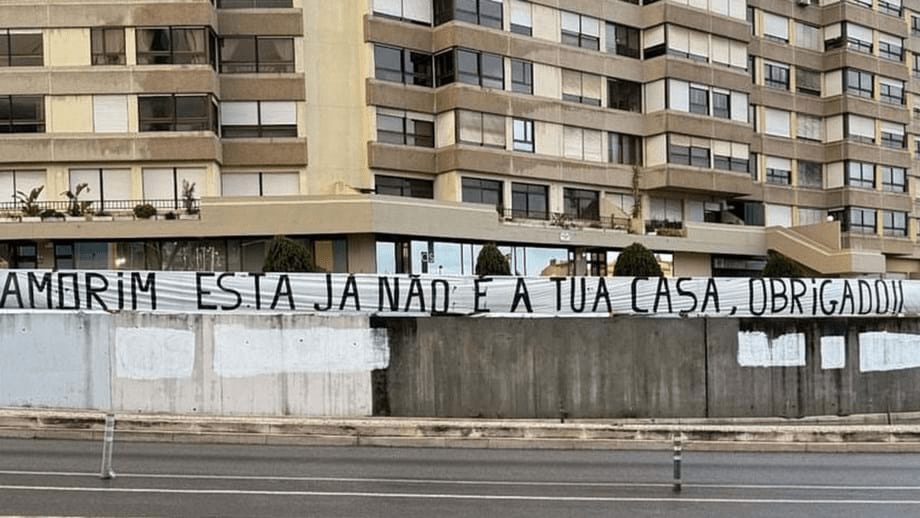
x,y
778,265
491,261
286,255
637,261
144,211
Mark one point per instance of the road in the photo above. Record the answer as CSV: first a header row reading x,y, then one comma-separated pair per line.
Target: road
x,y
61,478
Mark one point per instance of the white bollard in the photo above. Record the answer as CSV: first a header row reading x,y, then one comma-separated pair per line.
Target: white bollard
x,y
107,443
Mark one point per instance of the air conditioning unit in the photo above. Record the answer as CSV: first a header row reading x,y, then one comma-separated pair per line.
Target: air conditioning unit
x,y
803,3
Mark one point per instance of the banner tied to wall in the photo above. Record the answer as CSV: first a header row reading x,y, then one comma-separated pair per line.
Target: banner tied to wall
x,y
413,295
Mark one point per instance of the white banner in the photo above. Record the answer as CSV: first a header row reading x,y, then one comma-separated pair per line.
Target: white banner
x,y
190,292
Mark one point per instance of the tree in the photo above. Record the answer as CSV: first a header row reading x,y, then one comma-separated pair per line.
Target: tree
x,y
778,265
491,261
637,261
286,255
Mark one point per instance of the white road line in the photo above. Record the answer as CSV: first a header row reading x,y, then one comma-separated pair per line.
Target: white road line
x,y
444,496
702,485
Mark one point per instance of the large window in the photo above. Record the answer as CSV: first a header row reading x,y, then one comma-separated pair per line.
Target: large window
x,y
246,4
624,95
521,17
478,190
175,46
855,219
625,149
529,201
779,170
894,223
892,135
860,174
22,114
894,179
522,135
402,66
108,45
810,174
623,40
481,12
21,48
282,183
581,87
164,187
684,150
581,31
582,143
859,83
412,11
471,67
721,104
699,99
890,47
177,113
776,75
405,187
405,128
807,81
891,91
521,76
480,129
109,188
256,54
265,119
581,204
13,181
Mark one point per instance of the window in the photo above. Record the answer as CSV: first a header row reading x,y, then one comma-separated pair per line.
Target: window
x,y
807,36
22,114
699,99
683,150
521,17
581,143
108,45
163,186
402,66
777,122
175,46
890,8
529,201
809,174
260,183
890,47
859,129
807,81
477,190
622,40
894,223
624,149
581,204
522,134
915,25
405,187
891,91
581,87
624,95
21,48
775,27
809,127
859,83
776,75
265,119
487,13
665,210
779,170
730,156
721,104
177,113
405,128
581,31
257,54
108,188
467,66
916,68
859,38
412,11
860,174
856,219
13,181
246,4
894,179
521,76
893,135
481,129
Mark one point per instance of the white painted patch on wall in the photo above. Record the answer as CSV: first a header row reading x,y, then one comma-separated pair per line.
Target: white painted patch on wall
x,y
243,352
884,351
151,353
755,349
833,352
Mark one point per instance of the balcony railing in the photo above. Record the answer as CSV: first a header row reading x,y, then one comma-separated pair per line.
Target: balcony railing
x,y
563,220
105,206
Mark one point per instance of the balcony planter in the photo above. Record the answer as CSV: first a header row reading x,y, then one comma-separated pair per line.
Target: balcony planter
x,y
31,219
103,217
123,217
76,218
189,216
9,218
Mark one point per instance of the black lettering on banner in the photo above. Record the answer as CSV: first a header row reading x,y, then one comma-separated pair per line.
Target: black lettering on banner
x,y
236,294
880,288
664,290
350,291
751,290
814,297
415,291
521,294
316,306
92,293
558,282
822,294
865,297
798,289
901,292
712,293
383,286
138,285
11,287
202,292
283,288
847,295
45,285
681,292
120,289
634,295
257,287
480,294
778,294
601,292
581,308
434,296
75,288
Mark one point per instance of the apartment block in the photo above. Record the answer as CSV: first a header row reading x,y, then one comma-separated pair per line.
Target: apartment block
x,y
399,136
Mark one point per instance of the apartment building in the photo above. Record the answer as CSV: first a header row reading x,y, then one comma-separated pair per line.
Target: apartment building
x,y
401,135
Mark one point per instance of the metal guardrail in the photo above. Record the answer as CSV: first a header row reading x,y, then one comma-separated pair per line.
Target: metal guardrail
x,y
563,220
96,206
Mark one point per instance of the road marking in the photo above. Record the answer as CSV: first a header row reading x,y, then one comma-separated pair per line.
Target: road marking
x,y
702,485
444,496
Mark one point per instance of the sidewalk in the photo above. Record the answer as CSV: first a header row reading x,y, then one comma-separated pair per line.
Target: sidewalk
x,y
861,433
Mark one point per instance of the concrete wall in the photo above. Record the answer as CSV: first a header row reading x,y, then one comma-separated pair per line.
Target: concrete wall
x,y
204,363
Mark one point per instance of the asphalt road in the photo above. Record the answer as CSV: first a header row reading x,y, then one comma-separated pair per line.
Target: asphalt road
x,y
61,478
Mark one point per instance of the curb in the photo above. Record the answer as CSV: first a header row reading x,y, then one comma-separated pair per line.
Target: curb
x,y
831,435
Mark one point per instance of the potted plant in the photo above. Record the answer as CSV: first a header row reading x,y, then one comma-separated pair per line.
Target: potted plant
x,y
77,209
188,201
28,204
144,211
